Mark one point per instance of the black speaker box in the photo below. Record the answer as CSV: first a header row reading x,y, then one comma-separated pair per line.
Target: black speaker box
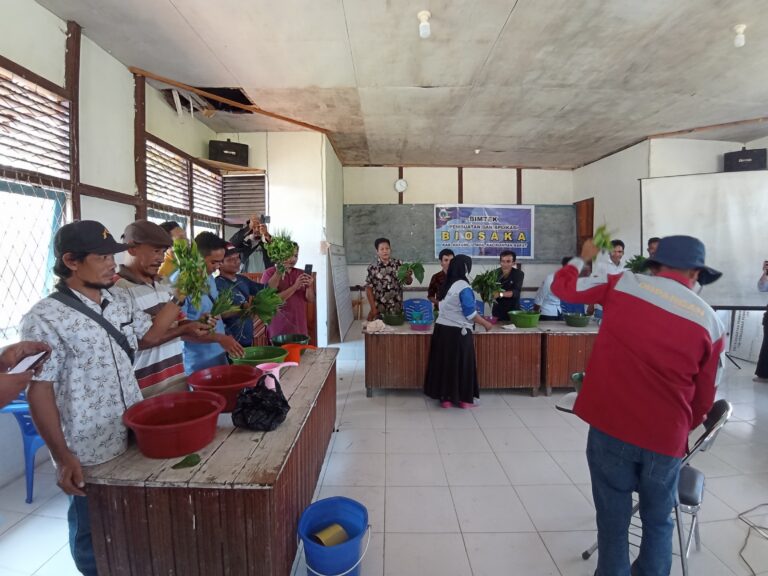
x,y
745,160
230,152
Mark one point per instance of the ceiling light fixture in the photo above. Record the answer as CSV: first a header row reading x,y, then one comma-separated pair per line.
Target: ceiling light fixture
x,y
425,30
739,40
477,150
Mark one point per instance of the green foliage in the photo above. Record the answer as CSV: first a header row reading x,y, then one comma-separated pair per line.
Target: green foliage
x,y
223,303
264,305
280,248
635,264
602,238
187,462
487,285
192,280
417,268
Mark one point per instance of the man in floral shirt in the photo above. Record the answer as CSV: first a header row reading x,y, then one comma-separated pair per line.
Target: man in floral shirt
x,y
383,289
78,399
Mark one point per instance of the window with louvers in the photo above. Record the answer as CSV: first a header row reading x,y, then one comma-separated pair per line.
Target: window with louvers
x,y
34,128
244,195
167,177
206,192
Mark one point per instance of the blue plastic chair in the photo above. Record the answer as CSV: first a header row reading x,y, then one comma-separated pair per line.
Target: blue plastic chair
x,y
568,308
32,440
418,311
527,304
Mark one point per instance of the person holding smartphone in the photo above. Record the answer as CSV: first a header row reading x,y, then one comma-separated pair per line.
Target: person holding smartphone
x,y
14,374
761,372
251,241
296,288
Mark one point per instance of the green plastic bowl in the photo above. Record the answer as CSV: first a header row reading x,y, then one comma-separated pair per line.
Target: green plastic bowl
x,y
523,319
260,355
290,339
577,320
577,378
393,319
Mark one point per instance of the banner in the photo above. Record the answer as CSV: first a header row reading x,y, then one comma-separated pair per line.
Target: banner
x,y
483,231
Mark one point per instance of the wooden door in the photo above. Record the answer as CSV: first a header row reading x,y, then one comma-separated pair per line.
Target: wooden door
x,y
585,215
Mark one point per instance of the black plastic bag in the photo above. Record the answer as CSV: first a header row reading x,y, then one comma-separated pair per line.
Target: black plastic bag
x,y
259,408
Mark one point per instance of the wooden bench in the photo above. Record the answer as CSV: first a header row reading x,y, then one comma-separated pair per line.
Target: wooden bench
x,y
235,513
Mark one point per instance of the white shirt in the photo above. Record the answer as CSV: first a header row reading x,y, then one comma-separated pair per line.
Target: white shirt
x,y
92,376
548,302
605,267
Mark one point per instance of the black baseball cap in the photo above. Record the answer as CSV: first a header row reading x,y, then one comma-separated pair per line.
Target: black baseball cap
x,y
87,237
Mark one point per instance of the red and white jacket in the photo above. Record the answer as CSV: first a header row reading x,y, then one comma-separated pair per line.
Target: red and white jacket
x,y
651,375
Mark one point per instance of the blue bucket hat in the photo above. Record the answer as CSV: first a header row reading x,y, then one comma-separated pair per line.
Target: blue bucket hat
x,y
684,253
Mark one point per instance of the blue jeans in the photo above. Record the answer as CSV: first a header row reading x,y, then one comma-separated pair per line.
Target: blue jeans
x,y
618,469
80,543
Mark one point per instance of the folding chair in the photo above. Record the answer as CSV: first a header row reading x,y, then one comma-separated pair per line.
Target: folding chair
x,y
32,440
690,486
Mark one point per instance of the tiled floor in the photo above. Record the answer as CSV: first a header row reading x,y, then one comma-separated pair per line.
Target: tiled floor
x,y
501,489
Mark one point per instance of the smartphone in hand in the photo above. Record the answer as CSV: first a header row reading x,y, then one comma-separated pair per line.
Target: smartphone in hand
x,y
308,269
28,363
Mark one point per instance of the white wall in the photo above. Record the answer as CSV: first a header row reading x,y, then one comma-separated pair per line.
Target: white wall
x,y
547,186
488,186
759,143
677,156
32,36
334,196
614,184
114,216
185,132
106,121
370,185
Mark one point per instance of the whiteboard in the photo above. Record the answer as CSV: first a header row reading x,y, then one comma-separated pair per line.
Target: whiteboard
x,y
726,211
341,291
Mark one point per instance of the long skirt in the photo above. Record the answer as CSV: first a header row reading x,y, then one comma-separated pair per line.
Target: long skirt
x,y
451,371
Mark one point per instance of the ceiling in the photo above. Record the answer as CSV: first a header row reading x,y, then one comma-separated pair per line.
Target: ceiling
x,y
532,83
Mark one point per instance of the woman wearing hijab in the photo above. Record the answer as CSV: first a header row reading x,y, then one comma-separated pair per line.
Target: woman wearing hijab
x,y
451,373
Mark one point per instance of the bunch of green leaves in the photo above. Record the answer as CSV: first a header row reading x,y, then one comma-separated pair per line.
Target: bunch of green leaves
x,y
280,249
263,305
602,238
417,268
192,279
487,285
224,303
636,263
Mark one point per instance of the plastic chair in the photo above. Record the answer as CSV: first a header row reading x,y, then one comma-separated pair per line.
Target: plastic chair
x,y
690,486
568,308
527,304
32,440
418,310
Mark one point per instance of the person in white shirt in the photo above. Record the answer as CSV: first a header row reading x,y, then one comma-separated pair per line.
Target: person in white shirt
x,y
614,264
546,302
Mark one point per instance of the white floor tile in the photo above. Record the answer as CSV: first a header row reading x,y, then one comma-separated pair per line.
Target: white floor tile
x,y
512,440
359,440
61,564
410,441
13,495
9,519
535,468
398,419
425,554
546,416
355,470
497,417
56,507
566,548
574,464
490,509
560,438
747,458
474,470
405,400
740,492
494,554
557,508
32,542
415,470
372,497
460,440
453,418
419,509
725,539
6,572
361,419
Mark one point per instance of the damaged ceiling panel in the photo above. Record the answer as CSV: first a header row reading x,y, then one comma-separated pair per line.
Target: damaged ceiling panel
x,y
549,83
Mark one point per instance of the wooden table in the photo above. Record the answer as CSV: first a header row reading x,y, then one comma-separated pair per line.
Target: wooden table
x,y
533,358
235,513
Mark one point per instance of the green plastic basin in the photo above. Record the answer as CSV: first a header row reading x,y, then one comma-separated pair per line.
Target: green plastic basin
x,y
577,320
523,319
393,319
290,339
260,354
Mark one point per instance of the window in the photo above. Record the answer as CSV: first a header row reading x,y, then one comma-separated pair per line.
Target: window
x,y
244,195
181,190
34,128
29,219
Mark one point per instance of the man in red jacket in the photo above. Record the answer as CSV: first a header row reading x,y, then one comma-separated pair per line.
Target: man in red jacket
x,y
649,381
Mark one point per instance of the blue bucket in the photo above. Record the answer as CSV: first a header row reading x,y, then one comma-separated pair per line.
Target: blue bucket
x,y
342,559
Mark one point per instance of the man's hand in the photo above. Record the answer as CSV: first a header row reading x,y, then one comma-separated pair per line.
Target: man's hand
x,y
372,315
69,474
263,231
589,251
231,346
195,329
15,353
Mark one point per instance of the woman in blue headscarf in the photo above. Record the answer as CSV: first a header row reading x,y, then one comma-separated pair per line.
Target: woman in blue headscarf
x,y
451,373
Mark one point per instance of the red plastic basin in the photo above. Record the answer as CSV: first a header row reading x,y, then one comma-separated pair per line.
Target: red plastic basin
x,y
175,424
225,380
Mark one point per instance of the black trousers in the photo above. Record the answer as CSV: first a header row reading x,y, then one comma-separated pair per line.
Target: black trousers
x,y
762,361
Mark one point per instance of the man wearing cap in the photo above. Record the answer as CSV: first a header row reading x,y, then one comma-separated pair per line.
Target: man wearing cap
x,y
158,368
243,289
78,399
650,380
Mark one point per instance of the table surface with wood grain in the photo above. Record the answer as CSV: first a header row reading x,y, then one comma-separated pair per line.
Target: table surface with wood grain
x,y
236,458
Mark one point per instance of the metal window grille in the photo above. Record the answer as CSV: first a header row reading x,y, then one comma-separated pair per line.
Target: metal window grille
x,y
206,225
30,217
158,216
244,195
206,192
167,177
34,127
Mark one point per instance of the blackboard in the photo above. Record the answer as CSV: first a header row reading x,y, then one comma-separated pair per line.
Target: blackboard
x,y
410,227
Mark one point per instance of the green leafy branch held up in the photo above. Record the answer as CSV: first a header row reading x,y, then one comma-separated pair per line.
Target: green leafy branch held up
x,y
280,249
192,279
417,268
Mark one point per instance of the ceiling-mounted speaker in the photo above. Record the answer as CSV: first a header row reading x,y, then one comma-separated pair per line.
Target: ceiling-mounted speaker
x,y
230,152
